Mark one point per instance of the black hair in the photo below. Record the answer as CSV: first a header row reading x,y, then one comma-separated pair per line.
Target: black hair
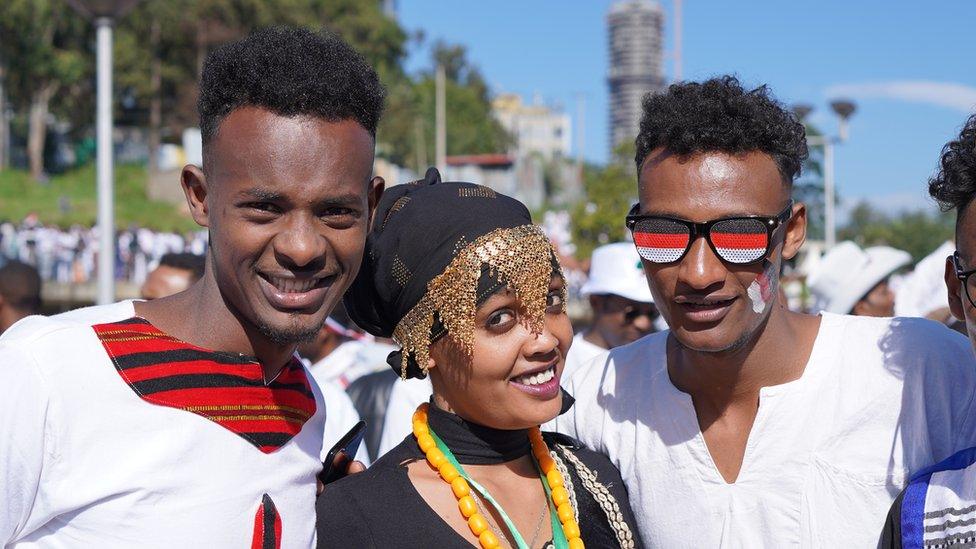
x,y
185,262
954,186
289,71
719,115
20,286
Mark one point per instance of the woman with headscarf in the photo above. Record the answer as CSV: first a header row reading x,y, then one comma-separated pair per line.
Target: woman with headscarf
x,y
472,292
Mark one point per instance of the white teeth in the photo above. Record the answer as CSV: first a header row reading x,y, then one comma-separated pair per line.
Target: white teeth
x,y
537,379
291,285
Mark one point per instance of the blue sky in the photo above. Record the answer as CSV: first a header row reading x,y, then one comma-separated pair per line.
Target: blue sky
x,y
910,66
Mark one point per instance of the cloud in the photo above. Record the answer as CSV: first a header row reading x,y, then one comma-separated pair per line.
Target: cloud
x,y
943,94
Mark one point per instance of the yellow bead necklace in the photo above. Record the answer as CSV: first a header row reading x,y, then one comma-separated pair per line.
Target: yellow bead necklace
x,y
477,522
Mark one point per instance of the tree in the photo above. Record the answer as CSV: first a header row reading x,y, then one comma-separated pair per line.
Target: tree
x,y
46,53
916,232
610,192
471,126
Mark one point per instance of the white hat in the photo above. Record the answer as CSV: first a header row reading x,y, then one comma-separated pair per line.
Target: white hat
x,y
616,269
923,290
846,273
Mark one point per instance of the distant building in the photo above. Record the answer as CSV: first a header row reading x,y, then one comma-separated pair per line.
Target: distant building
x,y
520,178
636,35
535,128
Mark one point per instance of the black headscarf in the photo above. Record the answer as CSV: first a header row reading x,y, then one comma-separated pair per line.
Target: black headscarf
x,y
418,229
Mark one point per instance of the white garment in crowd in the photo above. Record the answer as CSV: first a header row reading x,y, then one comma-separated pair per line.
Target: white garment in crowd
x,y
86,462
341,417
827,454
581,353
405,396
350,361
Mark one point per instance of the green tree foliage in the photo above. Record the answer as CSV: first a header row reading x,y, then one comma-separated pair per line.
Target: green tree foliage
x,y
407,134
610,192
44,54
918,232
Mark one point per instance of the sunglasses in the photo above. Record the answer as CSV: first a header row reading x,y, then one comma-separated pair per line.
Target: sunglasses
x,y
966,277
737,240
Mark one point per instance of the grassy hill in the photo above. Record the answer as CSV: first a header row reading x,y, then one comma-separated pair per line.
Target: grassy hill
x,y
69,198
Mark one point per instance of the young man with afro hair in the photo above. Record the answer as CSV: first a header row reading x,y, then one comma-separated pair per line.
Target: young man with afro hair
x,y
188,421
938,507
747,424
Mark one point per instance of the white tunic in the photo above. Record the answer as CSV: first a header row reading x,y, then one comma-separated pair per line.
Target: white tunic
x,y
86,462
828,452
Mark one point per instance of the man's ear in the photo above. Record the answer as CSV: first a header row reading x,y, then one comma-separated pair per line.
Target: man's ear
x,y
376,187
796,231
194,183
954,290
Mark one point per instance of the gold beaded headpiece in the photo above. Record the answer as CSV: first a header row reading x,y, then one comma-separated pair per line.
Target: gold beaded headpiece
x,y
520,257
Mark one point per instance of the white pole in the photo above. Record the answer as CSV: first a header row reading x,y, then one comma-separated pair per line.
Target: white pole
x,y
677,40
580,129
440,122
103,125
830,230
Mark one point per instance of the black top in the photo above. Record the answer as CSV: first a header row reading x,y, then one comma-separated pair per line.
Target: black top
x,y
891,535
381,508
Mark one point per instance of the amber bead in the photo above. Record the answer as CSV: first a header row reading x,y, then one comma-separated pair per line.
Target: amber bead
x,y
576,543
448,472
546,464
565,512
488,540
420,428
426,443
477,523
460,487
555,478
467,506
436,457
560,496
571,529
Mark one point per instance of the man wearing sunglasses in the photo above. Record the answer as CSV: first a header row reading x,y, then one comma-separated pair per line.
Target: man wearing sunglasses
x,y
938,508
623,309
746,424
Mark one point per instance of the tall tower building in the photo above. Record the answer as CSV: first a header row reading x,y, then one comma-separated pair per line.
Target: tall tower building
x,y
635,33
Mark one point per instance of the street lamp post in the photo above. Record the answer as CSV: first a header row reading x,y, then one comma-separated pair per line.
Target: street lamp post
x,y
104,13
843,109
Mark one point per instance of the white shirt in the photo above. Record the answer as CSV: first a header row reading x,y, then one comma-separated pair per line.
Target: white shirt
x,y
341,417
86,462
581,353
405,396
350,361
826,456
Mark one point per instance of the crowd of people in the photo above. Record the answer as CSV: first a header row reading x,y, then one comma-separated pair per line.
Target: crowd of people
x,y
69,255
695,408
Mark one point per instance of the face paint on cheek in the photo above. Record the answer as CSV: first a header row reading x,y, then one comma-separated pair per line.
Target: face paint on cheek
x,y
762,288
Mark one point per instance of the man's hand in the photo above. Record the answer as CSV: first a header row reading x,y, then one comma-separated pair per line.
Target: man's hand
x,y
353,468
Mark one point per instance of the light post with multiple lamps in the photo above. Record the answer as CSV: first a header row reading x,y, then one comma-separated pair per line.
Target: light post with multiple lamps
x,y
843,109
104,13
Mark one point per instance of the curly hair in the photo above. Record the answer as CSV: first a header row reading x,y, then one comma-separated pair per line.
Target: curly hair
x,y
289,71
719,115
954,186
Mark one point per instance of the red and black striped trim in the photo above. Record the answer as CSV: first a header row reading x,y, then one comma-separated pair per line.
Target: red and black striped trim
x,y
224,388
267,526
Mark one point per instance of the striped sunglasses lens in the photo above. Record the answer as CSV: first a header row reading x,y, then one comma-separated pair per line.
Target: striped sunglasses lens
x,y
661,240
739,241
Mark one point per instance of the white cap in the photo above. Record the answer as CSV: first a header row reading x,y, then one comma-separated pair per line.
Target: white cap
x,y
846,273
616,269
